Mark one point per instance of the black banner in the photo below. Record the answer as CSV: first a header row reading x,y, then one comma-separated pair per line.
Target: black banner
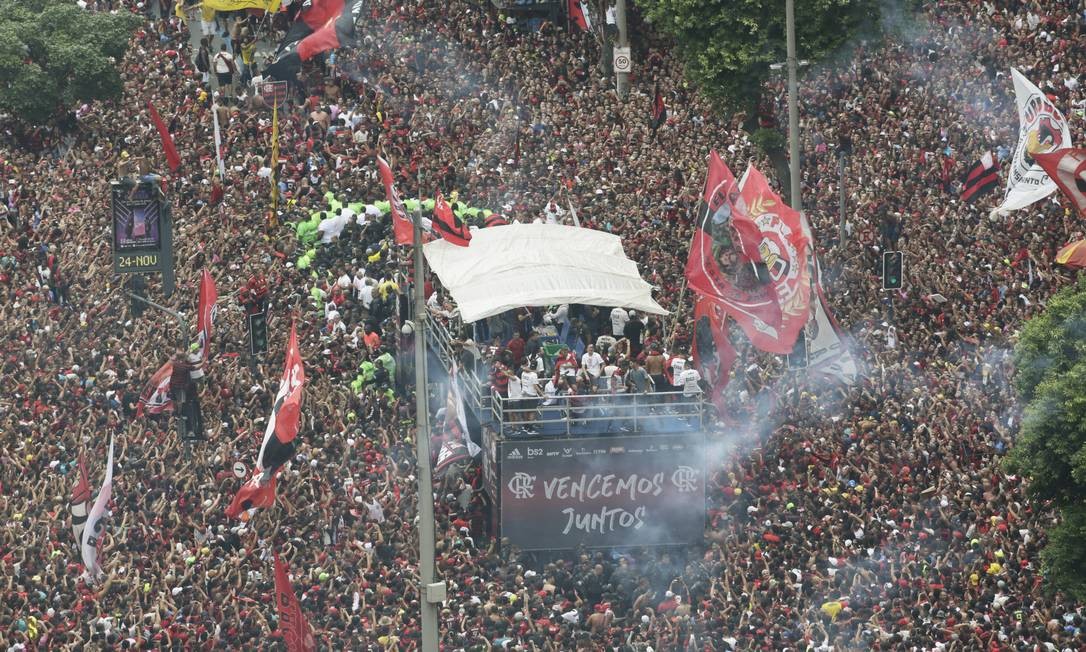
x,y
606,492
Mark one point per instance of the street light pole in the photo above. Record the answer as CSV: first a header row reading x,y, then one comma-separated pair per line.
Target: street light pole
x,y
431,593
622,79
793,106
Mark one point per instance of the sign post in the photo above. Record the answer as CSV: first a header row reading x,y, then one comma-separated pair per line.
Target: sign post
x,y
142,230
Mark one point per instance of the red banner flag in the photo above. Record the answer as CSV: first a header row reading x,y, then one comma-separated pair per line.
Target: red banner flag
x,y
172,158
783,245
723,258
292,623
713,352
254,494
155,397
1067,167
578,16
447,225
205,320
401,225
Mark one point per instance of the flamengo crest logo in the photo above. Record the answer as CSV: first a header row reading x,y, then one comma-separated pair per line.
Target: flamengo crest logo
x,y
779,255
522,485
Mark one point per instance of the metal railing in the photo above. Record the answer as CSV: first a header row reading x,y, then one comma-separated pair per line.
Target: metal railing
x,y
443,339
598,413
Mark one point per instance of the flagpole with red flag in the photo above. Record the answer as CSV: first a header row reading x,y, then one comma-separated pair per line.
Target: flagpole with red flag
x,y
293,626
172,158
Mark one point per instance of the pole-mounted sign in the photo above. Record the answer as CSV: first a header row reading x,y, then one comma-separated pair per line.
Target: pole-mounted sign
x,y
142,230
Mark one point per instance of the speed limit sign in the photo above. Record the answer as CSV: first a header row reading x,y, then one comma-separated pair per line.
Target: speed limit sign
x,y
622,60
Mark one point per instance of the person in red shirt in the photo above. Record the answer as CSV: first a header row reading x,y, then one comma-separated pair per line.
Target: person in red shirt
x,y
516,347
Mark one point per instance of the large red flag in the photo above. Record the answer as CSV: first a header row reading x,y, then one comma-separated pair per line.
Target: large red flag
x,y
713,352
401,226
205,320
292,623
1067,167
319,12
720,237
286,411
783,246
278,445
172,158
254,494
336,32
155,397
447,225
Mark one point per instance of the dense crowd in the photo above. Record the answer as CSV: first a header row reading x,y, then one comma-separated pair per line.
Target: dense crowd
x,y
870,517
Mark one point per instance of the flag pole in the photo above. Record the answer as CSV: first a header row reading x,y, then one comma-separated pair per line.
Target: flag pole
x,y
273,218
682,291
675,319
430,593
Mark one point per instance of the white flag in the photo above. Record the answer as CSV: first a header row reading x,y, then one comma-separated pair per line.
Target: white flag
x,y
573,212
92,532
218,142
1042,128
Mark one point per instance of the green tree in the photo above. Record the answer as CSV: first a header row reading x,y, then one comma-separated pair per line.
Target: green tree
x,y
728,45
54,55
1050,363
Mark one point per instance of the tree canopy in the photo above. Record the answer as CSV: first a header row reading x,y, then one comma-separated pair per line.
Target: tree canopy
x,y
728,45
1050,362
54,55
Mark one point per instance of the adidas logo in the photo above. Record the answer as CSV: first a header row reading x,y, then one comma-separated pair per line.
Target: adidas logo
x,y
515,455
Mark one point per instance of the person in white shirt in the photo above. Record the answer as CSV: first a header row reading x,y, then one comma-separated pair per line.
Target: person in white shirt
x,y
363,288
559,316
592,362
619,317
529,387
331,226
690,377
550,390
515,394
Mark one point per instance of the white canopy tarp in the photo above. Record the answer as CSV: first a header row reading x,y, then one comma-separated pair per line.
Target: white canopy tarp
x,y
538,265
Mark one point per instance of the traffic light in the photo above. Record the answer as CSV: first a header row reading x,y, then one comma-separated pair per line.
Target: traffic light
x,y
258,333
893,266
137,286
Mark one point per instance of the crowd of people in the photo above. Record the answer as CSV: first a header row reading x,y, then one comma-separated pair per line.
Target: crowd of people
x,y
868,517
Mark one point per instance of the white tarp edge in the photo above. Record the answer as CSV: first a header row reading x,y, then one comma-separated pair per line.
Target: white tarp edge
x,y
538,265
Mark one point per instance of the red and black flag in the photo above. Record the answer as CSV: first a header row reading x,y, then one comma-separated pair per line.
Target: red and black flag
x,y
278,445
659,109
335,32
448,226
981,178
1067,167
324,25
724,255
293,626
494,220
